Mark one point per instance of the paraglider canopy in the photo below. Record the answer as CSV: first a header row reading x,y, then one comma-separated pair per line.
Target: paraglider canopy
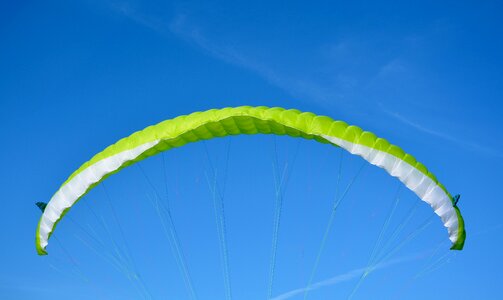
x,y
252,120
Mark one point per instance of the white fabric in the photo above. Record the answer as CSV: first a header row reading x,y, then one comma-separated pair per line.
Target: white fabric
x,y
69,193
423,186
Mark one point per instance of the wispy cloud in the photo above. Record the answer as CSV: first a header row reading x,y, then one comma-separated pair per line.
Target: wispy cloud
x,y
465,143
300,87
392,67
353,274
181,27
296,87
148,21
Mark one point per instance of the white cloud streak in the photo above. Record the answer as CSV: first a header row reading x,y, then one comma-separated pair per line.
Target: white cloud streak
x,y
300,88
353,274
294,86
129,12
467,144
180,27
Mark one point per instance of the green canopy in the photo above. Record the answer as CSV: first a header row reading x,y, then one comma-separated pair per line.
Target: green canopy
x,y
252,120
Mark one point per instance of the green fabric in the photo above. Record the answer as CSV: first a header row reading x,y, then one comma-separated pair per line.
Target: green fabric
x,y
250,120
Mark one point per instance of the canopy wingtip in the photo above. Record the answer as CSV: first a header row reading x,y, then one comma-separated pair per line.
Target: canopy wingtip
x,y
460,243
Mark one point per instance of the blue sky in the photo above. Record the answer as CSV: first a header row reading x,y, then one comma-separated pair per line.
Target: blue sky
x,y
75,77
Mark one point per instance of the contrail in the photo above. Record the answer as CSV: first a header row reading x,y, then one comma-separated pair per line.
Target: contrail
x,y
476,146
344,277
